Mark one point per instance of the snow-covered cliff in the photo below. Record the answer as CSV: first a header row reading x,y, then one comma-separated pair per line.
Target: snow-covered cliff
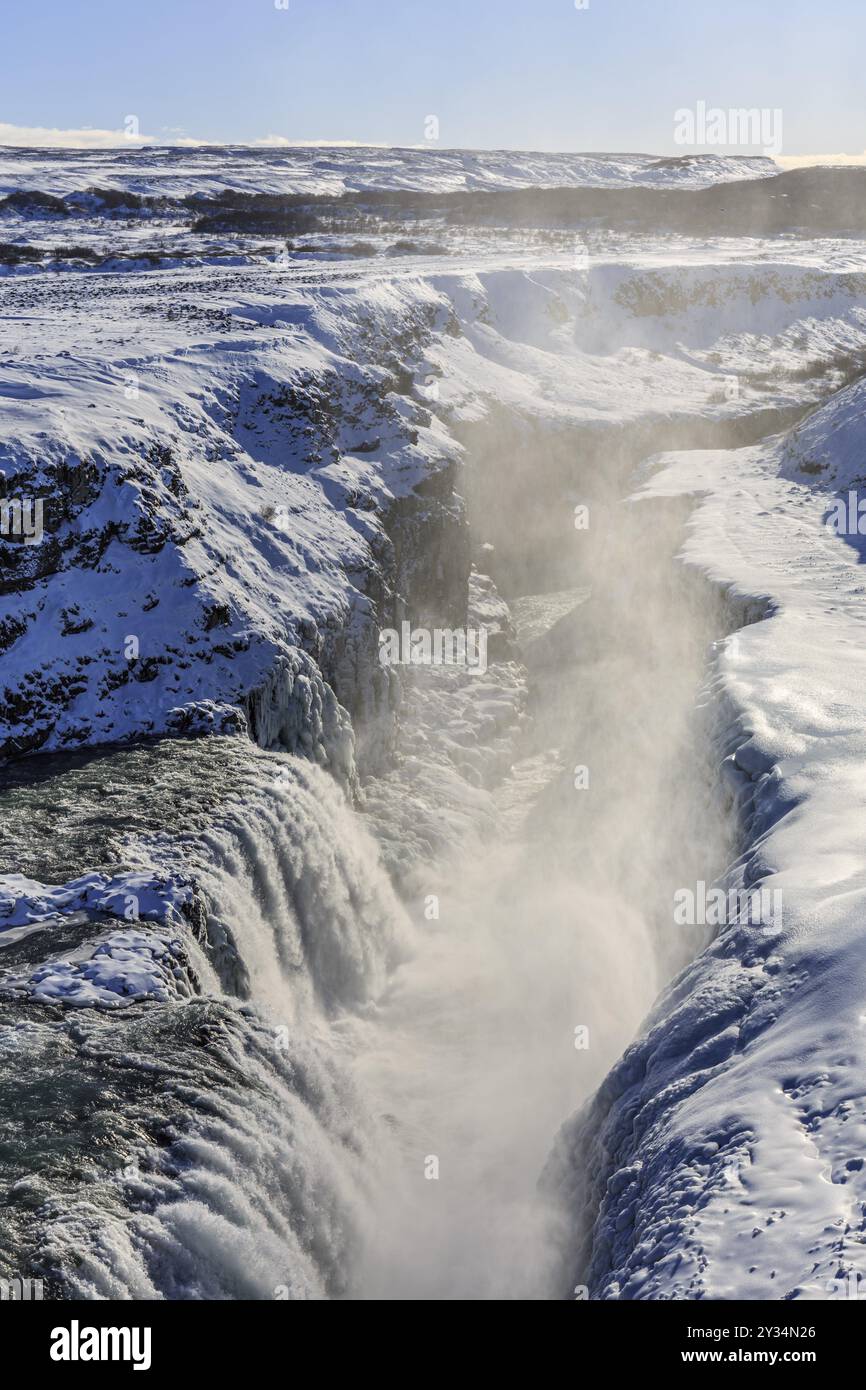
x,y
723,1155
248,458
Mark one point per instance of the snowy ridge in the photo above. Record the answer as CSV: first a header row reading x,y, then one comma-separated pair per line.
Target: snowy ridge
x,y
210,529
206,170
724,1154
827,452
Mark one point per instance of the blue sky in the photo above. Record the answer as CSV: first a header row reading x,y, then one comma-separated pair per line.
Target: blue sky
x,y
528,74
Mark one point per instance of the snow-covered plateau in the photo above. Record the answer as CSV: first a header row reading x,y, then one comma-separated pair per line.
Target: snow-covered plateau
x,y
213,168
310,962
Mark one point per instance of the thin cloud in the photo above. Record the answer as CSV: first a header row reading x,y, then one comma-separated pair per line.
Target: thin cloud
x,y
282,142
802,161
50,137
90,138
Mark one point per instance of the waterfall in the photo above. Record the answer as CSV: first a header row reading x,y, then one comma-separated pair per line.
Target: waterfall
x,y
241,1158
293,877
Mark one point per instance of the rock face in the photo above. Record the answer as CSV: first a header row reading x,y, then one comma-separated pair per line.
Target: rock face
x,y
225,526
239,459
225,467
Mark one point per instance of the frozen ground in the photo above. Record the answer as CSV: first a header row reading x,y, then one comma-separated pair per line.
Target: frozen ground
x,y
177,172
731,1137
219,450
253,457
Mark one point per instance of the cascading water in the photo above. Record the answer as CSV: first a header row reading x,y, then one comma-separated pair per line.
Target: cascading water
x,y
551,942
220,1148
326,1090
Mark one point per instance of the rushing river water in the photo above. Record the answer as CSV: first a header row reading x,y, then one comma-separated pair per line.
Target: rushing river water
x,y
297,1079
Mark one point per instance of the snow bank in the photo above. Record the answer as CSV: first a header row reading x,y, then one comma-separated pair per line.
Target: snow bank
x,y
216,509
177,173
723,1157
109,968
